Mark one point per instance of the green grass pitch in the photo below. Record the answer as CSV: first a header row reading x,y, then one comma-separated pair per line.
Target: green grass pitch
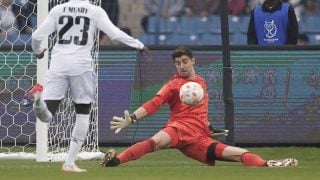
x,y
171,164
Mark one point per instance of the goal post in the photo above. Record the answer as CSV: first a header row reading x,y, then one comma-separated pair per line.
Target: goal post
x,y
42,67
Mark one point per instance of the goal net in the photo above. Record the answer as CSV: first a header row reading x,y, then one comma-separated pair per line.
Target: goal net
x,y
21,135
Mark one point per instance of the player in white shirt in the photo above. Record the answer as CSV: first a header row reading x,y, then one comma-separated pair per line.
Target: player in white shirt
x,y
75,23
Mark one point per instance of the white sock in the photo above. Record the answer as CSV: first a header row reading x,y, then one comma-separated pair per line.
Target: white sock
x,y
41,110
79,133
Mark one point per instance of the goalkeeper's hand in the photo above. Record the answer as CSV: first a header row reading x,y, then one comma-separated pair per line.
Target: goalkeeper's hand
x,y
118,123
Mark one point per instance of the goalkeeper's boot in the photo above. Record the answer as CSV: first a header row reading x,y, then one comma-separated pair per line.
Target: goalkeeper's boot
x,y
219,132
33,95
110,159
72,169
289,162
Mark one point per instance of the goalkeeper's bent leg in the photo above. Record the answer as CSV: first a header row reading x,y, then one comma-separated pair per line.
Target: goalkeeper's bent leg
x,y
79,134
220,151
137,150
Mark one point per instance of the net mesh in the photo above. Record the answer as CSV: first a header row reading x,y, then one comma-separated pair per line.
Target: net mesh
x,y
18,74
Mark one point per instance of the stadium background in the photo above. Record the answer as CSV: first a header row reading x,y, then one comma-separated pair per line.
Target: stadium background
x,y
276,91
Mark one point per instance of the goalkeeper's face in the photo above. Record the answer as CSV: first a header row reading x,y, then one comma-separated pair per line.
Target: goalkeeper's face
x,y
185,66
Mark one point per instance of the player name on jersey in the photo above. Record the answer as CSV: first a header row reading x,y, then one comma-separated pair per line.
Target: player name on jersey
x,y
75,10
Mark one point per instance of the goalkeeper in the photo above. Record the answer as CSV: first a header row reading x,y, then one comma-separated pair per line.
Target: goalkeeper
x,y
187,128
71,67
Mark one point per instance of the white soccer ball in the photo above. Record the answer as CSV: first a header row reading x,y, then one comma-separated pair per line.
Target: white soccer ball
x,y
191,93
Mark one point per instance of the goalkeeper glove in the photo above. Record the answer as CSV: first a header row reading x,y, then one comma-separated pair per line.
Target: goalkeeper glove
x,y
118,123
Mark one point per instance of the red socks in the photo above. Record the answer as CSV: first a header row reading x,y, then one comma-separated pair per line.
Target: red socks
x,y
253,160
137,150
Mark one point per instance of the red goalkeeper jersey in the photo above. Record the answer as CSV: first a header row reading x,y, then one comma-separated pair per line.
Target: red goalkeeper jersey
x,y
193,118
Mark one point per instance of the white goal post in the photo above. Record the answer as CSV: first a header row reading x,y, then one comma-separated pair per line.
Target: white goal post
x,y
42,67
21,135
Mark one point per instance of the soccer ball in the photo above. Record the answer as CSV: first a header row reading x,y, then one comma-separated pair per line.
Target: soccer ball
x,y
191,93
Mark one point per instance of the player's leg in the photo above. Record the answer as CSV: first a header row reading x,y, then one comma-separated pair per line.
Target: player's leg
x,y
134,152
249,159
83,93
237,154
46,100
160,140
46,109
78,136
207,150
198,148
223,152
39,106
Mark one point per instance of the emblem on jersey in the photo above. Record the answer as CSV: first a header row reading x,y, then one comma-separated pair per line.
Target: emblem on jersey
x,y
270,29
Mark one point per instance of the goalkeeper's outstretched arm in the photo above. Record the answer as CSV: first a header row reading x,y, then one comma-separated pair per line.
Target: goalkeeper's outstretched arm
x,y
118,123
140,113
148,108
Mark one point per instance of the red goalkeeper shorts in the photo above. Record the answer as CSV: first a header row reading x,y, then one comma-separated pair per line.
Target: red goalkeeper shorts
x,y
193,144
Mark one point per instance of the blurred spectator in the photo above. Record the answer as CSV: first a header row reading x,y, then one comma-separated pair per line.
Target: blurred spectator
x,y
236,7
163,8
130,15
252,4
166,8
105,40
112,9
127,30
312,8
203,8
8,25
273,23
297,6
303,39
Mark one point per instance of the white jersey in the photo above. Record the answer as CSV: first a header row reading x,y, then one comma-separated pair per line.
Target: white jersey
x,y
75,23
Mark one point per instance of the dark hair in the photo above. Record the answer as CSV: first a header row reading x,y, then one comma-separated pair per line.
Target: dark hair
x,y
180,51
303,37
